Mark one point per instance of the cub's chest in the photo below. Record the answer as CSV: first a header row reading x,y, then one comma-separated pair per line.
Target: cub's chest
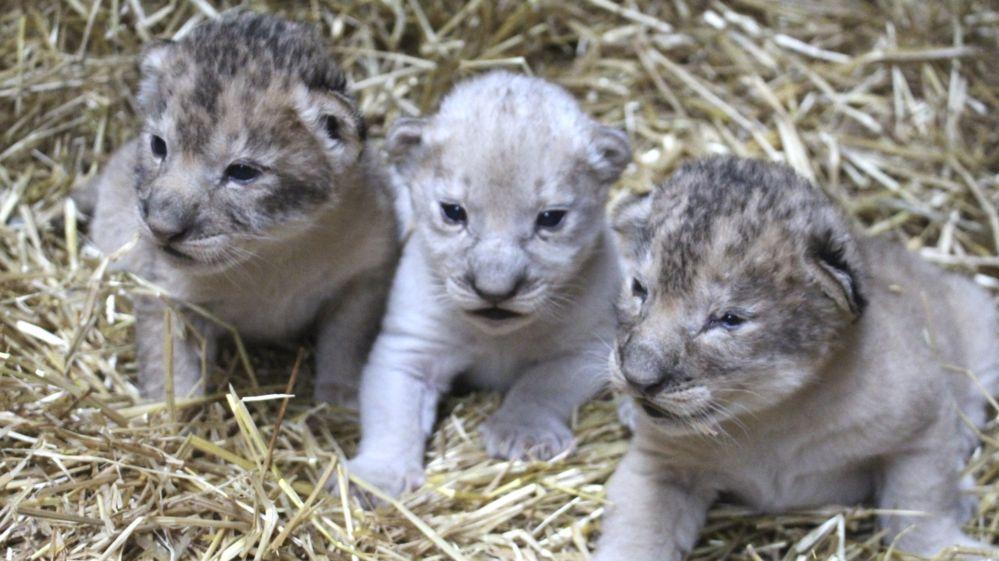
x,y
770,485
277,306
494,369
497,363
794,465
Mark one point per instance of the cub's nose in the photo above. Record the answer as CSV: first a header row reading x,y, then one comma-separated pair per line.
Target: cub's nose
x,y
646,371
645,387
169,225
650,386
497,291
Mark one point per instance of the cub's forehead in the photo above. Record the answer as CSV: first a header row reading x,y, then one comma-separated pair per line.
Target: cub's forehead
x,y
730,252
199,108
264,49
536,166
510,112
731,218
509,131
245,67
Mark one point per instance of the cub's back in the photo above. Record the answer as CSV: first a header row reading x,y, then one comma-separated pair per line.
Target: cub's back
x,y
944,311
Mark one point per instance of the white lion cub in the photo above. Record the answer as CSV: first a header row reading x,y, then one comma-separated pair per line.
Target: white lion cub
x,y
507,278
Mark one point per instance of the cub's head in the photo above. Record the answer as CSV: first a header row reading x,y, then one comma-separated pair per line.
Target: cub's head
x,y
506,187
741,278
248,133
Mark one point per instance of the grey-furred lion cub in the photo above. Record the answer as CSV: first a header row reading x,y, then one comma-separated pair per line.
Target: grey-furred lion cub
x,y
508,276
780,359
253,197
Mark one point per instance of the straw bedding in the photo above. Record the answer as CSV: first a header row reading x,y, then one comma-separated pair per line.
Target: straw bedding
x,y
890,105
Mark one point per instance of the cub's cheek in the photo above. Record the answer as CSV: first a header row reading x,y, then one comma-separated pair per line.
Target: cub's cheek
x,y
557,254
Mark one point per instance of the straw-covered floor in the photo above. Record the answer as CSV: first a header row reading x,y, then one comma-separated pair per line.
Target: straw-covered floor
x,y
890,105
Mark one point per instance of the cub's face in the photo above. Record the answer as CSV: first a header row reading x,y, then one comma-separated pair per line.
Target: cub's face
x,y
506,220
239,151
738,293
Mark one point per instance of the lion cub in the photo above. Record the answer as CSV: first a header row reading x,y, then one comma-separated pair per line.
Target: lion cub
x,y
778,358
253,198
507,278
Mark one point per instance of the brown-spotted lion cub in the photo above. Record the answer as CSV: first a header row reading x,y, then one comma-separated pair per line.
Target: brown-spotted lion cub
x,y
778,358
253,197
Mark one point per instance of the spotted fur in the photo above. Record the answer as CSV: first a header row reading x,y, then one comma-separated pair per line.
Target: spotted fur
x,y
307,242
769,353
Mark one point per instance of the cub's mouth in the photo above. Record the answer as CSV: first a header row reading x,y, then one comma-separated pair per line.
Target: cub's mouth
x,y
495,314
656,412
174,252
199,252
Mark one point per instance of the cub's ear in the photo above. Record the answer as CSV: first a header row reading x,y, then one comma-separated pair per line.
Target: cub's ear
x,y
630,222
333,118
152,61
833,266
404,136
609,153
153,56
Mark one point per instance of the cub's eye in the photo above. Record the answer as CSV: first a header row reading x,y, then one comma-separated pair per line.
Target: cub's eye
x,y
242,173
158,146
332,127
550,219
638,290
728,320
454,214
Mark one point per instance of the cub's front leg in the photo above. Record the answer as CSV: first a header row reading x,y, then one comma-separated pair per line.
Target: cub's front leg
x,y
533,421
654,513
398,401
346,332
926,480
194,346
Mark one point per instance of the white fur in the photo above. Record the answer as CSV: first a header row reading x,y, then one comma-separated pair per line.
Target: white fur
x,y
506,147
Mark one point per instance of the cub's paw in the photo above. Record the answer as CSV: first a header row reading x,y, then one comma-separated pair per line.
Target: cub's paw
x,y
525,439
338,395
390,477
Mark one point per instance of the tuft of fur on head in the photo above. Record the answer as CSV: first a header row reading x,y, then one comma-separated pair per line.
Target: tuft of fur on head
x,y
506,148
247,90
742,277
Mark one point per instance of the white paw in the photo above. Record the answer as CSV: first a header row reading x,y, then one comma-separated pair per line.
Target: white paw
x,y
525,439
627,412
391,477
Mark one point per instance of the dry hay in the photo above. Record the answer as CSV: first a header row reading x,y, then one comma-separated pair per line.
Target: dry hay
x,y
890,105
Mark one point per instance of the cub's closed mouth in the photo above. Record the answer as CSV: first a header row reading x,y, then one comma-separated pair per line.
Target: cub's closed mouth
x,y
653,411
170,250
495,314
658,413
